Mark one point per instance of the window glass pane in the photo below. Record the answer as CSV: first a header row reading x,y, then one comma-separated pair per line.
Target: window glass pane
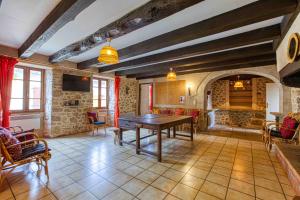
x,y
34,104
16,104
35,75
18,73
95,103
95,93
103,93
103,83
17,89
34,89
103,103
95,83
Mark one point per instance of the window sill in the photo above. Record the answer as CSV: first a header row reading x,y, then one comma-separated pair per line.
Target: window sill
x,y
26,115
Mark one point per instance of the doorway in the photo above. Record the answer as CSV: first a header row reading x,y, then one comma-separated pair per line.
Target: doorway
x,y
144,99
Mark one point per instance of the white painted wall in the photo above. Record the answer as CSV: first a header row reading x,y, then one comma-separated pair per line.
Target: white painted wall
x,y
281,53
27,124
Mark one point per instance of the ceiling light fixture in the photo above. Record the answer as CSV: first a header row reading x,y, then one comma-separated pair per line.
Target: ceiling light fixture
x,y
238,84
171,76
108,54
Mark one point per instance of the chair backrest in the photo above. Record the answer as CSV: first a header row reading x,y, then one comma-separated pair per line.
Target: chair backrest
x,y
92,116
289,125
179,111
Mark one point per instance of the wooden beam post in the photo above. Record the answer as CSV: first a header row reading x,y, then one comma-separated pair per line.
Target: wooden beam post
x,y
256,36
245,52
252,13
149,13
239,66
63,13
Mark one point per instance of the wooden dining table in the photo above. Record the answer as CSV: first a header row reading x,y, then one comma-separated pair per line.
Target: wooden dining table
x,y
156,123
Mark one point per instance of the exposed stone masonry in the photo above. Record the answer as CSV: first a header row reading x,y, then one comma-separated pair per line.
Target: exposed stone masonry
x,y
66,120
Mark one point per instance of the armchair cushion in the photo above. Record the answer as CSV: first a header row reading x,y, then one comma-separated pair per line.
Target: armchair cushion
x,y
8,139
275,133
99,123
32,151
25,137
93,115
288,127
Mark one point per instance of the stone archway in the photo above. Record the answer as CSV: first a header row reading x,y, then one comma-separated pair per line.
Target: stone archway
x,y
269,72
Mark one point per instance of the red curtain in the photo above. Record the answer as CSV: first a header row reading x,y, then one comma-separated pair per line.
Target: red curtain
x,y
117,91
7,66
151,97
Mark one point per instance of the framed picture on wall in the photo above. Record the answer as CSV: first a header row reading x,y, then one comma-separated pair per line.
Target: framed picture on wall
x,y
181,99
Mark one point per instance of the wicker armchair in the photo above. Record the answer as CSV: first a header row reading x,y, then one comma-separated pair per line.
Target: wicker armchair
x,y
33,150
274,134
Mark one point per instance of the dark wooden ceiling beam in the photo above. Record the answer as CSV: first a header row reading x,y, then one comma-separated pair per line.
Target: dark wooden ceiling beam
x,y
238,66
212,65
149,13
256,36
286,24
252,13
226,55
62,14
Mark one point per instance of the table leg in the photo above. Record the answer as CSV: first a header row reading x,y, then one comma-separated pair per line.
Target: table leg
x,y
174,131
168,133
138,140
192,130
121,137
159,145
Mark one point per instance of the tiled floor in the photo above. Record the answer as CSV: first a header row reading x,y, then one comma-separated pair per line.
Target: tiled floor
x,y
212,167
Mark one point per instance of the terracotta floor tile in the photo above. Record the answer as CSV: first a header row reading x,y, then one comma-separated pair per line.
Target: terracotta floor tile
x,y
205,196
173,175
151,193
266,194
120,179
242,187
184,192
268,184
118,194
102,189
235,195
134,186
133,170
218,179
164,184
192,181
214,189
147,176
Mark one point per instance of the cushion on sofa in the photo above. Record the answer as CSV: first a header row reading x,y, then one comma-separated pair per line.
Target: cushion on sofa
x,y
179,111
287,130
8,139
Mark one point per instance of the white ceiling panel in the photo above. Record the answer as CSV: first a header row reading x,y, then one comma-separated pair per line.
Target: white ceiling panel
x,y
19,18
193,14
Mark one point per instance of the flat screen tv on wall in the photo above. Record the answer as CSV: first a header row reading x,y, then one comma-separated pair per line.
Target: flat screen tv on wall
x,y
76,83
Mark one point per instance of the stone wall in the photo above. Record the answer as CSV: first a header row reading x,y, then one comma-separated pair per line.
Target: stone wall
x,y
295,96
128,95
111,101
67,120
219,89
261,91
244,119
